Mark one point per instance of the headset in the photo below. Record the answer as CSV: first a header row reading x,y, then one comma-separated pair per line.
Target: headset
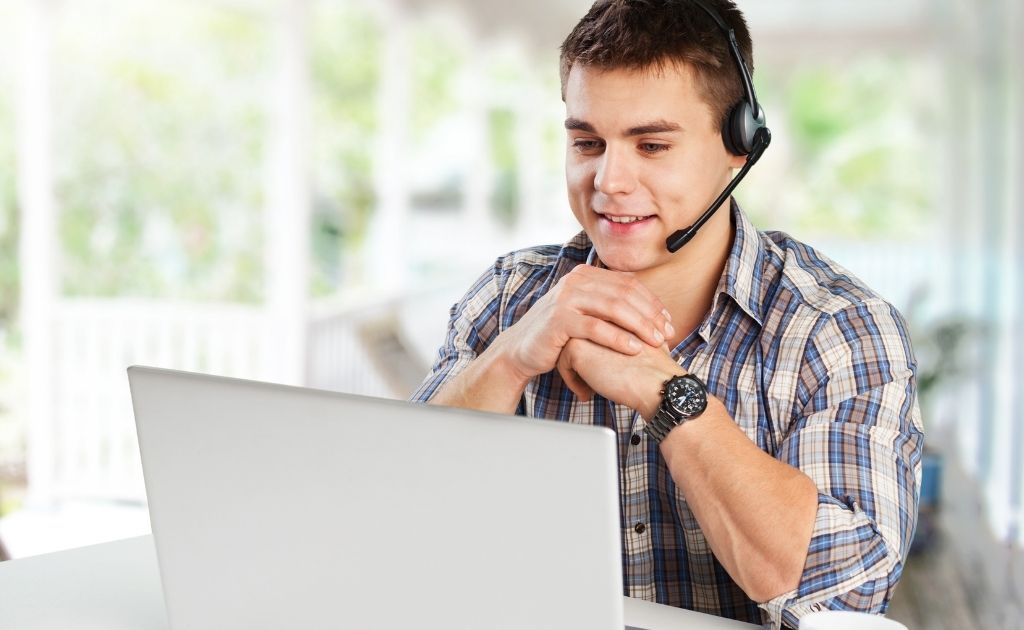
x,y
744,133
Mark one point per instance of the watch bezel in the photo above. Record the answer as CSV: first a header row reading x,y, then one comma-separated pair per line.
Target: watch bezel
x,y
668,416
691,390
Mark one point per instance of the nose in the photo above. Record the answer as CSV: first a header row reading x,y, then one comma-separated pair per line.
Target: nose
x,y
615,173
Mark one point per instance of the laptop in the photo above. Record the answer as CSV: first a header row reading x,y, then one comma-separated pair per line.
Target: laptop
x,y
280,507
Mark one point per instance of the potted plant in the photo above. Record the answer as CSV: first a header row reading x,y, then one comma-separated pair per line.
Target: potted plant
x,y
942,348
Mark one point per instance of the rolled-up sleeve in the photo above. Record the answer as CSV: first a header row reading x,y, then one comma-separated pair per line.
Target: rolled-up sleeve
x,y
472,326
859,436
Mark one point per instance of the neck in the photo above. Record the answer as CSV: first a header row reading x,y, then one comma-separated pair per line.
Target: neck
x,y
688,283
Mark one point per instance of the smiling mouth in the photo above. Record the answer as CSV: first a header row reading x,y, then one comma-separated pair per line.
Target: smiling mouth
x,y
617,219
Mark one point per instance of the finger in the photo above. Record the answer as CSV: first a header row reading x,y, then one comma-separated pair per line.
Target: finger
x,y
622,300
622,314
605,334
573,381
652,329
633,292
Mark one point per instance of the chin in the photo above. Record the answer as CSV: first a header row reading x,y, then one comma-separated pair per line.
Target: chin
x,y
631,261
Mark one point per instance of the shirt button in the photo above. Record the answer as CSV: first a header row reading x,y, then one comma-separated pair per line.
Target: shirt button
x,y
640,528
635,439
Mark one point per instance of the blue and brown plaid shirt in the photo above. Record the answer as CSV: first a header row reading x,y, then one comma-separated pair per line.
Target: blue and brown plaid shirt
x,y
814,367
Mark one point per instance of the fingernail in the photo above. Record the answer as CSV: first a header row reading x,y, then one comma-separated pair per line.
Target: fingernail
x,y
667,315
634,343
658,336
670,330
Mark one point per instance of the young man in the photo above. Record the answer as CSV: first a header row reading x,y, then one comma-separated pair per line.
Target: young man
x,y
764,399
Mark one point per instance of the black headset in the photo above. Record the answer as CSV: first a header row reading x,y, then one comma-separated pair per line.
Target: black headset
x,y
744,133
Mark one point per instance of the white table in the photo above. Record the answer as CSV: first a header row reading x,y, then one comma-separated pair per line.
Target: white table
x,y
116,586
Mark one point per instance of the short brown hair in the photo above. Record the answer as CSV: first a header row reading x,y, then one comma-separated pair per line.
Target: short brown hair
x,y
650,34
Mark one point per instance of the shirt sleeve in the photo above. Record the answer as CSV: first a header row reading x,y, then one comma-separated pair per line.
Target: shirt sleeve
x,y
472,326
859,436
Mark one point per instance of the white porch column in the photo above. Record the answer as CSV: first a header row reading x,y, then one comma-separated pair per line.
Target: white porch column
x,y
384,260
37,250
535,213
478,223
287,214
1017,270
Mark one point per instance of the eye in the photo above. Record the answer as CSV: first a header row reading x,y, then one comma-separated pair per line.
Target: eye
x,y
587,145
653,147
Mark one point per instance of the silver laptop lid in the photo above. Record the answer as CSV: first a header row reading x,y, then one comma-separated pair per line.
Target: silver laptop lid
x,y
280,507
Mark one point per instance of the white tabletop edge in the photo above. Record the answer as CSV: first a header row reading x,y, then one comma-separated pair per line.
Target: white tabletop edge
x,y
116,585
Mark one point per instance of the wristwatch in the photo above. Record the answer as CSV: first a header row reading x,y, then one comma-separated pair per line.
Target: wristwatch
x,y
683,398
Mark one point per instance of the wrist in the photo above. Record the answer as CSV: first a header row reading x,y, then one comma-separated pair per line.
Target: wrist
x,y
652,389
693,433
502,361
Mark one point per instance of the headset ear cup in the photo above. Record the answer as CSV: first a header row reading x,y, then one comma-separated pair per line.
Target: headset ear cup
x,y
729,132
742,125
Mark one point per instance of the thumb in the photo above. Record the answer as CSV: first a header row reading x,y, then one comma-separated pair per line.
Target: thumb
x,y
573,380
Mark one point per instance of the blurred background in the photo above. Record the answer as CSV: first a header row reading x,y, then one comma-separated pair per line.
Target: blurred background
x,y
297,190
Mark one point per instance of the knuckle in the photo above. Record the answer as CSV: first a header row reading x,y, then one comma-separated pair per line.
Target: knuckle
x,y
632,284
637,294
623,339
576,273
564,293
573,280
610,303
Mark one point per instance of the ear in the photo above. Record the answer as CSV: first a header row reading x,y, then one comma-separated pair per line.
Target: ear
x,y
737,161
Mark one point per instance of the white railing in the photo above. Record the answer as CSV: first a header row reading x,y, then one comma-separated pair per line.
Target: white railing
x,y
88,450
93,452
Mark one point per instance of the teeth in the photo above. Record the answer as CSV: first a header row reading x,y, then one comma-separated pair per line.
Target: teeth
x,y
623,219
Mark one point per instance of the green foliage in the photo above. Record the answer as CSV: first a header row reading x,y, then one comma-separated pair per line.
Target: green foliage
x,y
9,220
860,162
435,60
160,124
505,196
823,103
944,347
345,62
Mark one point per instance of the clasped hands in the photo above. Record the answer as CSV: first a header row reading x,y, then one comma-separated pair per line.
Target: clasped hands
x,y
604,331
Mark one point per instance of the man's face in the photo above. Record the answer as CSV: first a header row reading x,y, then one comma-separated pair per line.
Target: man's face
x,y
640,144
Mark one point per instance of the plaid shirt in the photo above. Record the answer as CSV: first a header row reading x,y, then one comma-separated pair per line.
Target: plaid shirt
x,y
814,367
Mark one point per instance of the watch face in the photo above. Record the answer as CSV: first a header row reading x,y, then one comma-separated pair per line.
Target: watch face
x,y
687,395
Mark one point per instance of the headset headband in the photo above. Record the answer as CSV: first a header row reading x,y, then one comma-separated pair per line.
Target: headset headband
x,y
748,84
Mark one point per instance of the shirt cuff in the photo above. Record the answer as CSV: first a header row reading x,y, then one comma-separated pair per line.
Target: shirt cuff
x,y
849,566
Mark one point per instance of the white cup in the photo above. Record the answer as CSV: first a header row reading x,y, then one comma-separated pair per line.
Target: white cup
x,y
845,620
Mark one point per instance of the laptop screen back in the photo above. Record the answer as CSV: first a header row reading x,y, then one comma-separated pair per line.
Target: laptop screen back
x,y
281,507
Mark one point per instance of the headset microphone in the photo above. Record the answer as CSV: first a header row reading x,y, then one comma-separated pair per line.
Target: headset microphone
x,y
762,139
744,133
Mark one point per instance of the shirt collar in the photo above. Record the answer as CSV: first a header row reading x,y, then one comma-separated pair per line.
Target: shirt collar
x,y
741,279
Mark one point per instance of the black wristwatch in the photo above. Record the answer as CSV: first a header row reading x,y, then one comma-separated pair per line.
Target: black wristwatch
x,y
683,398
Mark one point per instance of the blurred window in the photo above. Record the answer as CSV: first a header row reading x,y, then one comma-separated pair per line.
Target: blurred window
x,y
855,151
345,58
10,28
444,141
160,117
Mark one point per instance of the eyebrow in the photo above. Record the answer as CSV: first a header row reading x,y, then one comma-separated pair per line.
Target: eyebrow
x,y
656,126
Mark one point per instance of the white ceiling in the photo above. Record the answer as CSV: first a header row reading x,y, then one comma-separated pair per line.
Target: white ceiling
x,y
544,23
